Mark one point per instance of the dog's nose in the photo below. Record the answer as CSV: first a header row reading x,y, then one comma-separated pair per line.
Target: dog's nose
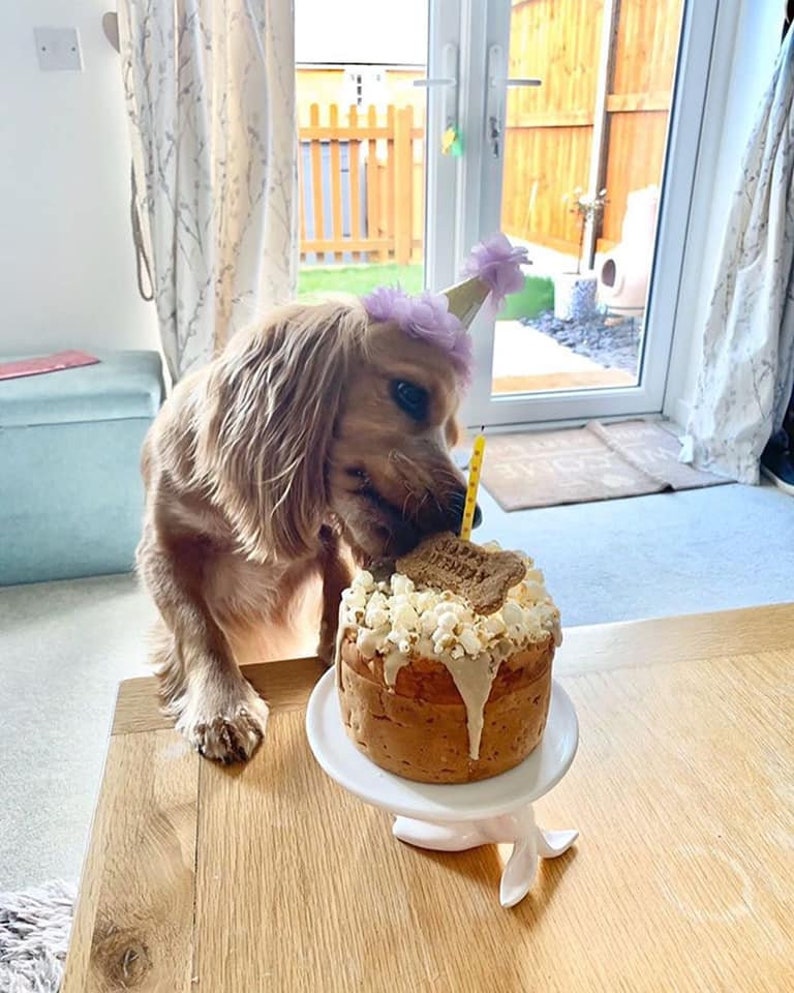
x,y
457,503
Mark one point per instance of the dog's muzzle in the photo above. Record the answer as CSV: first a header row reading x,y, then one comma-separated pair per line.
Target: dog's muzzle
x,y
456,506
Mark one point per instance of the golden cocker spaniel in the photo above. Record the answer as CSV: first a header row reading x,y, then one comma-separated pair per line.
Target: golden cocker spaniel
x,y
315,433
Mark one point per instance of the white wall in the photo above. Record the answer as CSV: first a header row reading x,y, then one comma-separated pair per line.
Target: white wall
x,y
67,267
748,39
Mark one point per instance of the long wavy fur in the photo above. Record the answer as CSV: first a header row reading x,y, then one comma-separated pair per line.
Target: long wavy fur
x,y
265,423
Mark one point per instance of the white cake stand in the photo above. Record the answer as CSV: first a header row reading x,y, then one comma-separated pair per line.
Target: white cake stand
x,y
452,818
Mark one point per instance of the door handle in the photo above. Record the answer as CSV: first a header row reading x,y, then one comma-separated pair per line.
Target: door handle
x,y
497,69
429,83
497,81
448,82
449,65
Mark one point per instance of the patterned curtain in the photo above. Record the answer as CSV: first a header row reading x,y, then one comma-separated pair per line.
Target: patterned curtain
x,y
747,366
210,88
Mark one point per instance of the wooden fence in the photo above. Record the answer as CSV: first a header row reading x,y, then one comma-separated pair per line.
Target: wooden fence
x,y
600,117
599,120
362,186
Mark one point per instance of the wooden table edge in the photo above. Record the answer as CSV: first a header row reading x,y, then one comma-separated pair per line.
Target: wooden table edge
x,y
286,683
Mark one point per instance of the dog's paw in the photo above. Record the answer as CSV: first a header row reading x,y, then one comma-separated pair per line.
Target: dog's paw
x,y
229,734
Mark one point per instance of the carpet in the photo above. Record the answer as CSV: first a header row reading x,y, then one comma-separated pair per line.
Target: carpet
x,y
34,937
581,465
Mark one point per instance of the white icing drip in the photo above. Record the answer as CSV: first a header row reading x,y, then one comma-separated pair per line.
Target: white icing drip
x,y
473,679
392,663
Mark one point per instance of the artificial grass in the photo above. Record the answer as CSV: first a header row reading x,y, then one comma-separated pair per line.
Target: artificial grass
x,y
358,279
536,297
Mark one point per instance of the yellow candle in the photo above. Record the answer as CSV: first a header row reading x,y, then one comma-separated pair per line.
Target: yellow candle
x,y
475,467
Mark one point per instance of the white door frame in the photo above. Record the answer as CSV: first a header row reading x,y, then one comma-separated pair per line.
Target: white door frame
x,y
442,172
478,210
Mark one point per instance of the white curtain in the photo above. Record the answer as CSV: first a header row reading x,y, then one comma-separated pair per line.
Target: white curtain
x,y
210,88
747,368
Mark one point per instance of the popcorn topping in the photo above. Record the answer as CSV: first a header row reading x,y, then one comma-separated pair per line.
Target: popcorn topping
x,y
395,614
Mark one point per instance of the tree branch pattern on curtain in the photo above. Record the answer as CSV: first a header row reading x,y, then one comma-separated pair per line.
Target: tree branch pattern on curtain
x,y
210,89
747,366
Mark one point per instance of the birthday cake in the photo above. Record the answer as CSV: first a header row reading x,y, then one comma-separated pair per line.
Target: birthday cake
x,y
444,668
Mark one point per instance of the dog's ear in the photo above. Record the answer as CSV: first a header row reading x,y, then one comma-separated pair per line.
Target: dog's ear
x,y
273,397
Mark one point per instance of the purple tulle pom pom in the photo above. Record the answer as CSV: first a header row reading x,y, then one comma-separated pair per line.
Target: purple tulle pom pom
x,y
425,317
496,262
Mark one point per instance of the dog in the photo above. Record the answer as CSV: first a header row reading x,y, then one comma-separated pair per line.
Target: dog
x,y
318,440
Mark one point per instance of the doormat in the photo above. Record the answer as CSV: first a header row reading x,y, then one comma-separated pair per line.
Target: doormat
x,y
580,465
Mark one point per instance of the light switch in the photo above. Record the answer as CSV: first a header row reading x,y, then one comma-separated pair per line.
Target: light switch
x,y
58,49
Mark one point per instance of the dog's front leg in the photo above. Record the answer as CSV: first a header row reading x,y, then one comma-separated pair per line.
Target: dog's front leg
x,y
337,574
216,709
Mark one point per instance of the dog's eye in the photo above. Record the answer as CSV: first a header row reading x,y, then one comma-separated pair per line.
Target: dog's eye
x,y
410,398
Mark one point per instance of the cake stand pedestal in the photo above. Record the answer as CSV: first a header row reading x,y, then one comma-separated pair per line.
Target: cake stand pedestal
x,y
454,818
519,829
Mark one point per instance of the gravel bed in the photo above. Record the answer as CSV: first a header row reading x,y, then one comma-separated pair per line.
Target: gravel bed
x,y
613,342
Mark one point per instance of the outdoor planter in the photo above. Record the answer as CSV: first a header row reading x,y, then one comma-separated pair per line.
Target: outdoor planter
x,y
575,295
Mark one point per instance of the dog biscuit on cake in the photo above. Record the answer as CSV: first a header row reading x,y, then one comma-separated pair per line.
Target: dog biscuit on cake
x,y
450,563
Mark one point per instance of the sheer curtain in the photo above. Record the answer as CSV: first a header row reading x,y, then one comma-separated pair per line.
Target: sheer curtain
x,y
210,89
747,365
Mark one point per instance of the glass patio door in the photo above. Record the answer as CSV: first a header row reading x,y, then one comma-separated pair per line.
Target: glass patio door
x,y
580,121
375,84
380,196
618,108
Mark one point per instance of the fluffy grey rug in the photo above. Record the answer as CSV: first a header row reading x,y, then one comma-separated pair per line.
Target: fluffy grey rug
x,y
34,936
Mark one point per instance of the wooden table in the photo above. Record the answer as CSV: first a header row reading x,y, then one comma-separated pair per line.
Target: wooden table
x,y
271,878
